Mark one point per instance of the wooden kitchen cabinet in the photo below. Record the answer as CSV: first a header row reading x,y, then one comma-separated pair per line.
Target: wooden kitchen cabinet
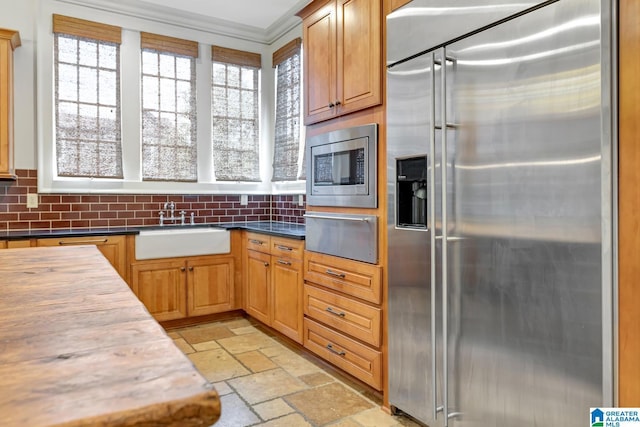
x,y
342,57
354,278
210,286
287,288
10,244
353,357
274,288
161,286
112,247
258,286
9,41
344,314
397,4
176,288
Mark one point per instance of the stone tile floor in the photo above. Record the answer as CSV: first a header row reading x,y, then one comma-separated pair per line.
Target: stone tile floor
x,y
265,381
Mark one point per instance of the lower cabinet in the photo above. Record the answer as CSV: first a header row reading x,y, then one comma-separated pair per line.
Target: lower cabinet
x,y
344,315
259,286
210,286
162,288
181,287
273,276
113,247
286,291
10,244
353,357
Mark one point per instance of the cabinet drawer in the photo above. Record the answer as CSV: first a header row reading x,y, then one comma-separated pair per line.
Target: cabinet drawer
x,y
287,248
354,278
349,316
347,354
258,242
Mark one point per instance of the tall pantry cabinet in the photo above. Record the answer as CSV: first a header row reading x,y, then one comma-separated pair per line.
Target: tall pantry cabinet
x,y
9,41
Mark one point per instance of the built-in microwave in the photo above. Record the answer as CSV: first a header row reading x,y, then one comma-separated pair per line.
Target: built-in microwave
x,y
342,167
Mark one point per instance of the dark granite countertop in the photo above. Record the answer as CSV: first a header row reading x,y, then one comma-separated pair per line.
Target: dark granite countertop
x,y
282,229
274,228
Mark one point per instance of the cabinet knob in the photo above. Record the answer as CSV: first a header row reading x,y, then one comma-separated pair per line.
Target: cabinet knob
x,y
331,105
266,264
182,269
337,103
190,268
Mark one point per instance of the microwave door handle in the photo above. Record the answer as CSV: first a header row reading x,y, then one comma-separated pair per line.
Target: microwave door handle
x,y
342,218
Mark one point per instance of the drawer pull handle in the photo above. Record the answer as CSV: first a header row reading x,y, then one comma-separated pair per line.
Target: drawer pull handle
x,y
283,262
284,248
333,350
335,273
256,242
83,242
335,313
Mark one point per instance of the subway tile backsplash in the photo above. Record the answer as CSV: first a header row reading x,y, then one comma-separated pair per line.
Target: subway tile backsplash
x,y
65,211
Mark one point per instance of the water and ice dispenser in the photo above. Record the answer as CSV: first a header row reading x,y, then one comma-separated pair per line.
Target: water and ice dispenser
x,y
412,192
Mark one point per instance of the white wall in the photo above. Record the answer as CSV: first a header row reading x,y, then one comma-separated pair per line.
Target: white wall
x,y
21,16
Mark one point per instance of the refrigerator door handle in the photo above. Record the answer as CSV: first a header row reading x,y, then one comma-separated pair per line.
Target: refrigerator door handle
x,y
431,225
443,210
451,238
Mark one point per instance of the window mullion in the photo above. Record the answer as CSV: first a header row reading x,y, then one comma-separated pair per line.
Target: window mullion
x,y
203,110
130,88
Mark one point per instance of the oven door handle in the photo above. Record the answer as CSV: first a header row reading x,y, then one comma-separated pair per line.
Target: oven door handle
x,y
342,218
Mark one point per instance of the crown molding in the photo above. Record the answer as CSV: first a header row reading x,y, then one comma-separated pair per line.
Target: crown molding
x,y
221,27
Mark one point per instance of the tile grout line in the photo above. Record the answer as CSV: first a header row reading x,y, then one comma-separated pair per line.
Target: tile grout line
x,y
307,387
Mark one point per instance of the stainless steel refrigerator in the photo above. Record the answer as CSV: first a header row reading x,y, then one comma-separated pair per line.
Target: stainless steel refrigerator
x,y
500,213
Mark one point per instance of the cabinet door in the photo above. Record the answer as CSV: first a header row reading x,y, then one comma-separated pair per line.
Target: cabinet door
x,y
10,244
112,247
210,286
359,64
287,298
258,285
162,288
319,38
9,40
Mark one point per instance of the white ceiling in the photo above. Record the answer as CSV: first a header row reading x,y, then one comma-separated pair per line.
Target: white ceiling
x,y
261,21
261,14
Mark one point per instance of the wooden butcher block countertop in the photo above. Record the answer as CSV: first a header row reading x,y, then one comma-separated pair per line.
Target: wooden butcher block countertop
x,y
77,348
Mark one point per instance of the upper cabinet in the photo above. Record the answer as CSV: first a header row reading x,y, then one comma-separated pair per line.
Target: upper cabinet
x,y
9,40
396,4
342,57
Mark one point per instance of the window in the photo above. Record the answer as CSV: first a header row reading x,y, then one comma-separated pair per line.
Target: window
x,y
287,164
169,138
149,113
235,101
87,98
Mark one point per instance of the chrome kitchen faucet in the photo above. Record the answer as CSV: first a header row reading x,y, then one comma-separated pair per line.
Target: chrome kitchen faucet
x,y
171,207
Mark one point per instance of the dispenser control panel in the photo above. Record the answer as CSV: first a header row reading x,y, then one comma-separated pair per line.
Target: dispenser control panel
x,y
412,192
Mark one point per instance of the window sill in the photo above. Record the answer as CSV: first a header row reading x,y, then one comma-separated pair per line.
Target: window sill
x,y
108,186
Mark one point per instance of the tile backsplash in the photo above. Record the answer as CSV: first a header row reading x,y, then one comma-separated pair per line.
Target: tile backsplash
x,y
64,211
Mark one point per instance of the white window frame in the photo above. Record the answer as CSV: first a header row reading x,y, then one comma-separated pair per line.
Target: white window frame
x,y
297,186
132,25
